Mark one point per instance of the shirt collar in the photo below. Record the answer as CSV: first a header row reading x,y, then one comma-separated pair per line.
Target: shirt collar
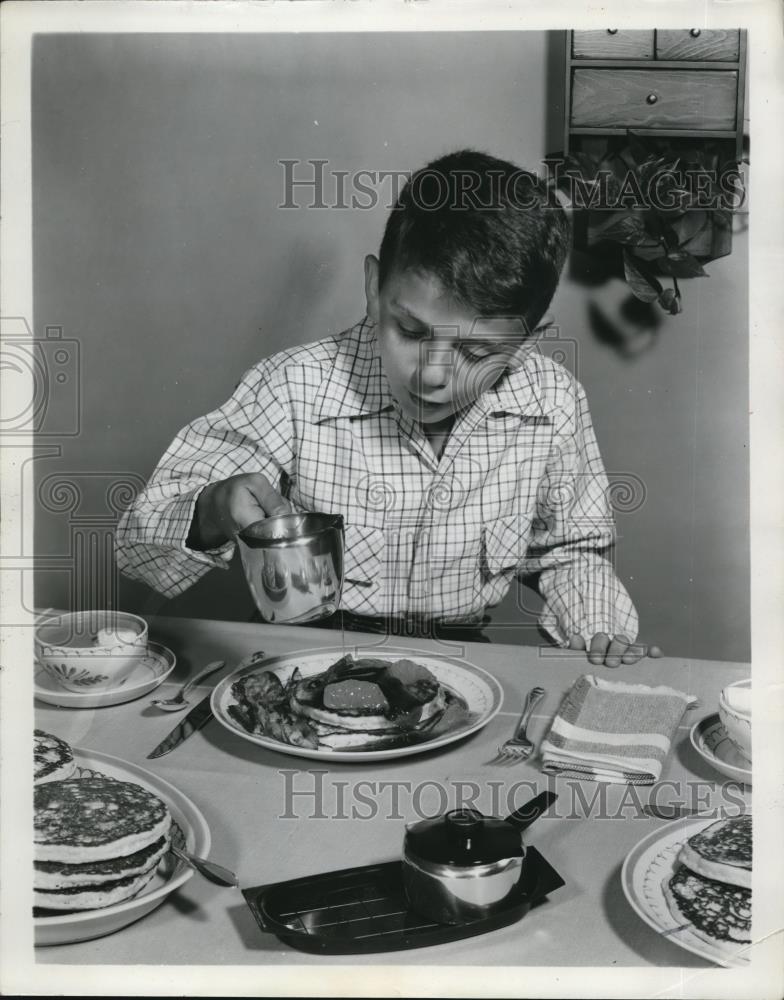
x,y
356,384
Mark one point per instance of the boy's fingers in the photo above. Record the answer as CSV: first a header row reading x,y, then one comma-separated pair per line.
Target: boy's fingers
x,y
631,652
618,646
613,652
598,648
257,498
268,498
637,651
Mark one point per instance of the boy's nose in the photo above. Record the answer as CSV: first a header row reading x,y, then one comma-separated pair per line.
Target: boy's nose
x,y
435,370
433,379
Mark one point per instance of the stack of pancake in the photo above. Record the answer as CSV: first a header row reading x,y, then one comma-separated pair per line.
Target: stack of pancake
x,y
97,840
711,887
52,758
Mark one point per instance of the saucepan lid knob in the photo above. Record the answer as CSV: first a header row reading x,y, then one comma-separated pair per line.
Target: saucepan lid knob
x,y
463,838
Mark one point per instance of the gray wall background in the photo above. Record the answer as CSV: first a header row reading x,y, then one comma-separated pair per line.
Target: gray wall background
x,y
159,246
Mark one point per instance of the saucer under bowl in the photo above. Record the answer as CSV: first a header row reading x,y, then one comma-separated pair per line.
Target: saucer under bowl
x,y
149,672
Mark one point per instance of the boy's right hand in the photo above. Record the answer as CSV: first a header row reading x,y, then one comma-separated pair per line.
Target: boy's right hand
x,y
226,507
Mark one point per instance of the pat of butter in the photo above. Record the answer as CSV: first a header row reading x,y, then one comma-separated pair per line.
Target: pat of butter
x,y
739,699
115,637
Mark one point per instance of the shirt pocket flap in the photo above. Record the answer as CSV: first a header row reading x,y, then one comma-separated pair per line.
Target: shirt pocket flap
x,y
364,550
506,542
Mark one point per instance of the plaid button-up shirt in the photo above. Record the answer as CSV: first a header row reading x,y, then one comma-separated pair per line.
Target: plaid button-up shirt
x,y
518,490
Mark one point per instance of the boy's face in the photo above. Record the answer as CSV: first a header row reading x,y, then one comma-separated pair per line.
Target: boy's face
x,y
437,355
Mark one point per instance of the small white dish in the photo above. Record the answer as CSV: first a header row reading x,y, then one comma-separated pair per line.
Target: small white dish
x,y
709,738
150,671
735,714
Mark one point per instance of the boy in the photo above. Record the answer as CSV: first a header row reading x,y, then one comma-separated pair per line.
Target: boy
x,y
459,457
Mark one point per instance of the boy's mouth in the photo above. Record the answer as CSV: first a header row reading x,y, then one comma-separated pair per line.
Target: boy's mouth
x,y
425,405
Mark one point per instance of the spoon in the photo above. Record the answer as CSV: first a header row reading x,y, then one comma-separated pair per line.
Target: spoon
x,y
179,701
215,873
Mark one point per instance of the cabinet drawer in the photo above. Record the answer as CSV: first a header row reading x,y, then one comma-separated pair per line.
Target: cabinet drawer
x,y
612,44
688,99
698,44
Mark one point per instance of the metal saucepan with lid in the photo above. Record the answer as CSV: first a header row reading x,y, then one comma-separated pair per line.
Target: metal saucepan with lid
x,y
463,865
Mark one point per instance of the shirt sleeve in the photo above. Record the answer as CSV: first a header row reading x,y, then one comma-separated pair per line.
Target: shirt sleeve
x,y
252,432
572,539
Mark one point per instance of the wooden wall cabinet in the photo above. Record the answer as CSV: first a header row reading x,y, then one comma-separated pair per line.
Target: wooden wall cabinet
x,y
673,83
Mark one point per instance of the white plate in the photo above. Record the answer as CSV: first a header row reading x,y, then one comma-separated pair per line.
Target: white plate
x,y
151,670
645,868
709,738
84,925
479,689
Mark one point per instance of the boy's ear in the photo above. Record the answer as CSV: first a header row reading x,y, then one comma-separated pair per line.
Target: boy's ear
x,y
544,322
371,287
530,343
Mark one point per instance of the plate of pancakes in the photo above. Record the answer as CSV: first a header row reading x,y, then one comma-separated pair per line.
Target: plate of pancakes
x,y
102,831
363,706
691,882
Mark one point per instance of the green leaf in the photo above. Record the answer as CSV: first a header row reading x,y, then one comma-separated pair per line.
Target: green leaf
x,y
681,264
670,236
620,227
643,283
688,225
670,301
639,146
663,165
722,218
667,194
614,165
654,225
582,164
675,201
650,251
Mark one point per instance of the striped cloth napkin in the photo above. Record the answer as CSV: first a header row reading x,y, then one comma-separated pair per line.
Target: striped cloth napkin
x,y
613,731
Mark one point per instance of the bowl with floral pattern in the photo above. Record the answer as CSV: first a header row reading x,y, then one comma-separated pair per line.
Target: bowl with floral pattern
x,y
86,651
735,714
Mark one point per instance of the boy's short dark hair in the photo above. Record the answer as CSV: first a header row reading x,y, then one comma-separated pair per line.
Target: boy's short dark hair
x,y
493,235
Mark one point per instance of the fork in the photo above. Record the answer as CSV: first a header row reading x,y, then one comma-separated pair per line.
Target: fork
x,y
519,747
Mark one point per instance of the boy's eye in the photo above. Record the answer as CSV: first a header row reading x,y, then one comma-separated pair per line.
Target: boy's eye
x,y
476,356
411,334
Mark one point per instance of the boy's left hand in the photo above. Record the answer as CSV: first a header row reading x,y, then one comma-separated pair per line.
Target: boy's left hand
x,y
613,652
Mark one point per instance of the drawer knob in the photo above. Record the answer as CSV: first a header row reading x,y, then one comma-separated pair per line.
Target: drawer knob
x,y
612,31
652,98
695,32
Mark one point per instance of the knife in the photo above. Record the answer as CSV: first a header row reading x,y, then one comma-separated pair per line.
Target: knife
x,y
193,721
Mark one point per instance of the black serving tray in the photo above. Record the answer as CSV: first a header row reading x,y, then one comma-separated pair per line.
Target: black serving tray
x,y
362,910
